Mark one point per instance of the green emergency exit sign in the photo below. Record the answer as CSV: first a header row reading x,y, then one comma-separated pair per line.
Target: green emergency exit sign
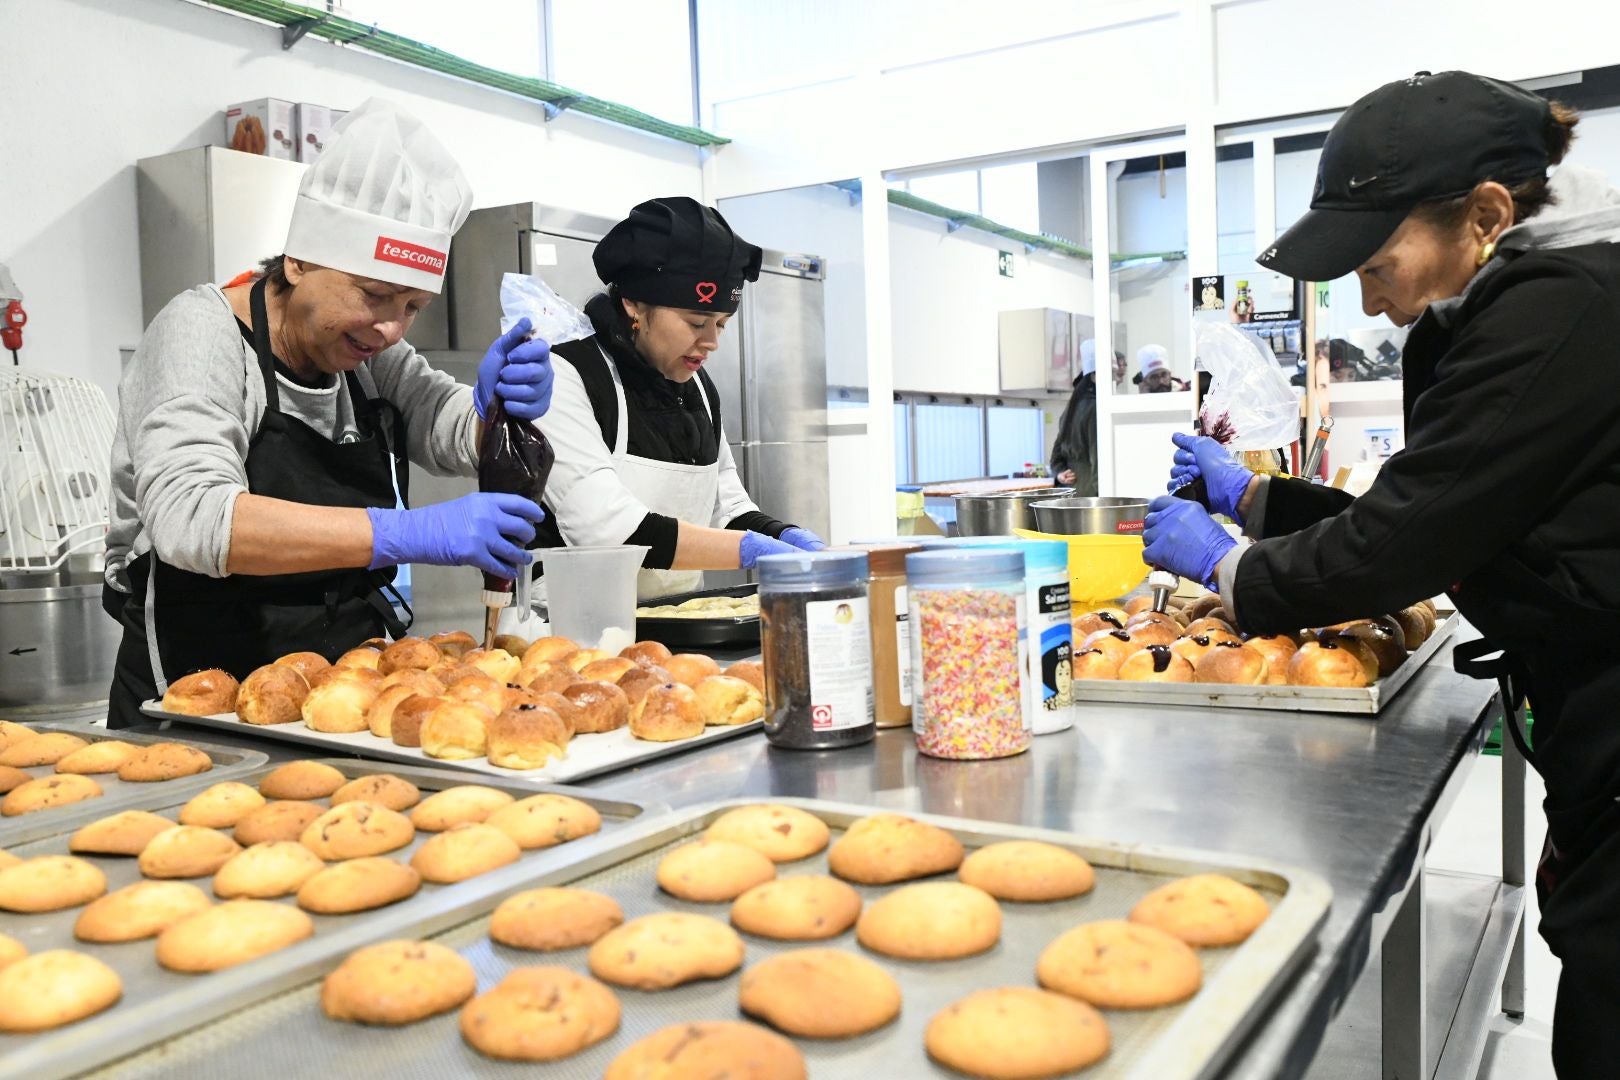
x,y
1004,263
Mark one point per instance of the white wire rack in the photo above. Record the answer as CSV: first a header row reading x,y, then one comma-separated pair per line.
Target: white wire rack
x,y
55,449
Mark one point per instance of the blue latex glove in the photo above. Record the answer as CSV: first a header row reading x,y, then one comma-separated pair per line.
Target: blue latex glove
x,y
1224,478
803,539
1181,537
482,529
754,545
516,371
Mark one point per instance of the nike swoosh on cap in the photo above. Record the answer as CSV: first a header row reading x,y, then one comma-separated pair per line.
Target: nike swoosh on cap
x,y
1354,183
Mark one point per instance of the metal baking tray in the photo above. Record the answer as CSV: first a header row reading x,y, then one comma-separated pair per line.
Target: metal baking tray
x,y
701,633
588,755
1364,701
230,762
287,1035
158,1002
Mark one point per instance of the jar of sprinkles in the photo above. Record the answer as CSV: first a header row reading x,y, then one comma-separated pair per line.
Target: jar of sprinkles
x,y
969,652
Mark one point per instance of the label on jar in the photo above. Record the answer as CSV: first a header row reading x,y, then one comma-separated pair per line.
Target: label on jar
x,y
902,641
1054,658
840,640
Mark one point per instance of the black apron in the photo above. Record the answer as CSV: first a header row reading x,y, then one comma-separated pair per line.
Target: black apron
x,y
241,622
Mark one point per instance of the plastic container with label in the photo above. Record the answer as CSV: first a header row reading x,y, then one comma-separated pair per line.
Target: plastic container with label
x,y
816,637
891,638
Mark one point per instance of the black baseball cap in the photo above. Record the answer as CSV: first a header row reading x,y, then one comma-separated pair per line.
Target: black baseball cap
x,y
1408,142
676,252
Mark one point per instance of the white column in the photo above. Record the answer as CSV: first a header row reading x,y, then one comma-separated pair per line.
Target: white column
x,y
875,486
1103,174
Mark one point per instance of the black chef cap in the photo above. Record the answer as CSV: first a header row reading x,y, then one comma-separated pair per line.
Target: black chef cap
x,y
676,252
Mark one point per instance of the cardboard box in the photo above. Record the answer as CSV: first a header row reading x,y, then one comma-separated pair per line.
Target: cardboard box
x,y
315,123
266,126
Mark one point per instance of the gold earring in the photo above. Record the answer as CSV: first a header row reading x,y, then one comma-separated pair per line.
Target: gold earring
x,y
635,325
1486,253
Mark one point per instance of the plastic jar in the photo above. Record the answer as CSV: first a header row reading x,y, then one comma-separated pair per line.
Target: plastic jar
x,y
891,637
968,646
815,634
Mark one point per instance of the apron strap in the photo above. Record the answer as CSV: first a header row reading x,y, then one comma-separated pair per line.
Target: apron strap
x,y
621,434
1483,660
395,626
261,345
383,420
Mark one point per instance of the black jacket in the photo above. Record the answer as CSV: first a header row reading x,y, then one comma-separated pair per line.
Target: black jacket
x,y
1076,444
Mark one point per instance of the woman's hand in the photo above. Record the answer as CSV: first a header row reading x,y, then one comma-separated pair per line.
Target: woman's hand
x,y
803,539
516,371
1225,480
483,529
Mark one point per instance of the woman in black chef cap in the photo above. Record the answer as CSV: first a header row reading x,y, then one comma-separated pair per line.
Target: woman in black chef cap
x,y
1434,192
635,420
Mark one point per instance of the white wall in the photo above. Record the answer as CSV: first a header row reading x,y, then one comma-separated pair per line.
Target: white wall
x,y
91,86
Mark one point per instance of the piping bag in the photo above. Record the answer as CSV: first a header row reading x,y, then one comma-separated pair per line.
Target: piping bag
x,y
514,458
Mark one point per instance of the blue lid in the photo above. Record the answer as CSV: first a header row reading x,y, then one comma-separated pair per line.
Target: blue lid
x,y
966,566
812,569
1039,555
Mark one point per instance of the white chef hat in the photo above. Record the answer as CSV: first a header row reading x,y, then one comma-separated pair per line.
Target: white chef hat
x,y
1088,356
1151,358
382,201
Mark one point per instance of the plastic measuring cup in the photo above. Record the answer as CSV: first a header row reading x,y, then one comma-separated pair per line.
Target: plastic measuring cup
x,y
590,590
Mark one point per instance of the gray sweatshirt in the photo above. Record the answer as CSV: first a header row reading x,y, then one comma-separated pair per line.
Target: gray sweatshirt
x,y
190,403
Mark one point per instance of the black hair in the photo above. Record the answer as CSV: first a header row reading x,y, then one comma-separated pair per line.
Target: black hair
x,y
274,272
1530,197
615,324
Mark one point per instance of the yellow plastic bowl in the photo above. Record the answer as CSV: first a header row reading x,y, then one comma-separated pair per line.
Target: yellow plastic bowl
x,y
1100,567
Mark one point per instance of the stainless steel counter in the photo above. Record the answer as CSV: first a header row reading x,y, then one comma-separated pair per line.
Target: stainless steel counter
x,y
1352,798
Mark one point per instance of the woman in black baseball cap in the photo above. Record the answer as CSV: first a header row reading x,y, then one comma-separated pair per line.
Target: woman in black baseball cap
x,y
1434,192
642,457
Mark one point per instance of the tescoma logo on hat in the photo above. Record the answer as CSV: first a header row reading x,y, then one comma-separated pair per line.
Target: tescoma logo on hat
x,y
403,254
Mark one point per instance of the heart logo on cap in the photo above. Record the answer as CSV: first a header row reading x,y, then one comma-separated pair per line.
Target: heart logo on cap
x,y
706,291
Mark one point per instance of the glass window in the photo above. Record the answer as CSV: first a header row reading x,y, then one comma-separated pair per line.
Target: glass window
x,y
501,34
636,52
1017,438
1010,195
950,443
958,190
1152,308
902,443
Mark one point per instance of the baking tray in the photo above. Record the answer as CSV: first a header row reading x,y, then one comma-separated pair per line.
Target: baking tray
x,y
701,633
588,755
287,1035
229,763
158,1002
1364,701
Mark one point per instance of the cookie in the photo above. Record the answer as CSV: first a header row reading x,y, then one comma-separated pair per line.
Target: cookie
x,y
142,910
709,1048
1114,964
164,761
780,833
265,871
47,793
279,820
42,749
544,820
539,1014
11,950
50,883
358,885
12,777
186,851
465,804
656,952
222,806
1017,1033
463,852
1206,909
807,908
11,732
1028,871
384,789
713,870
820,993
301,780
8,859
886,848
397,982
125,833
935,920
99,757
357,829
550,919
53,988
231,933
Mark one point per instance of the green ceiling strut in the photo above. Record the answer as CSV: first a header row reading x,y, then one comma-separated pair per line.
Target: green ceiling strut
x,y
299,19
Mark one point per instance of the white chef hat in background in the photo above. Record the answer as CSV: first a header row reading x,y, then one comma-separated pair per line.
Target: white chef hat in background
x,y
382,201
1088,356
1151,358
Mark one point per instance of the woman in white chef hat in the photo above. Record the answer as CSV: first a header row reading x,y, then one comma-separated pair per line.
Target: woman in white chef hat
x,y
264,429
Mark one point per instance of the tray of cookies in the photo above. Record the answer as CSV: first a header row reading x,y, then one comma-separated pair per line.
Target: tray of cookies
x,y
56,770
1193,655
548,710
811,938
119,929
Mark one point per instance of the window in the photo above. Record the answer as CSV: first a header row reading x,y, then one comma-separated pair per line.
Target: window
x,y
1015,437
902,443
950,443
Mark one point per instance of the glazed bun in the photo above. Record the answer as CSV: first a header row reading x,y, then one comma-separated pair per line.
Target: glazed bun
x,y
380,721
1193,648
527,737
513,644
1115,644
405,725
454,643
668,713
363,656
1101,619
480,689
1136,605
406,654
1200,607
339,706
1207,623
581,657
498,664
456,731
609,669
1231,662
1381,637
522,695
1325,664
637,682
1094,664
572,715
599,707
751,672
690,668
647,652
548,677
1144,634
1278,649
202,693
1154,618
274,694
1156,663
1416,626
423,682
547,649
725,702
305,663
